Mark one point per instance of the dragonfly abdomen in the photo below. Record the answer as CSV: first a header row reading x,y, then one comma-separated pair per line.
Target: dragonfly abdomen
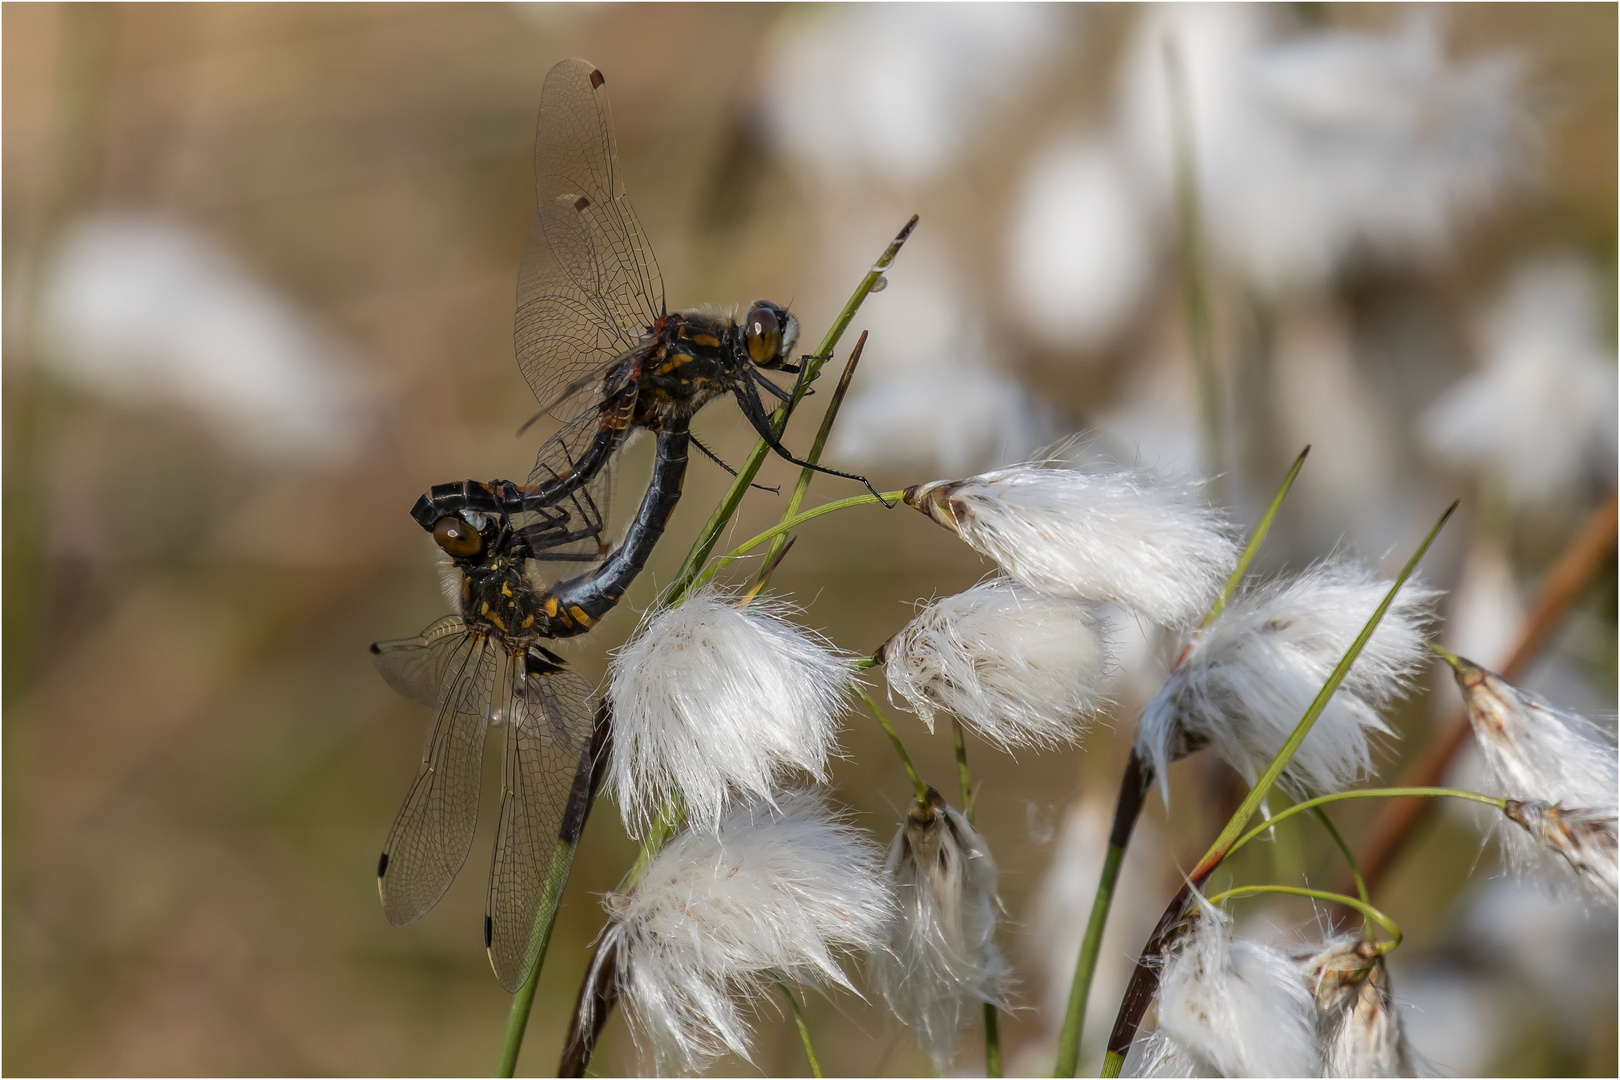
x,y
575,605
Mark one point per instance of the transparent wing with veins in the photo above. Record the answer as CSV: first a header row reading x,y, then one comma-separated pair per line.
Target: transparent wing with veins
x,y
547,736
434,830
588,292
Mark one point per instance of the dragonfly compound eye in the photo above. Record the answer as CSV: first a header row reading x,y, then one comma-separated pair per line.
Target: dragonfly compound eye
x,y
764,335
457,537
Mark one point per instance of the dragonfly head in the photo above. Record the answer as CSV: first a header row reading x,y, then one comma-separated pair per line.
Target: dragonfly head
x,y
770,334
463,535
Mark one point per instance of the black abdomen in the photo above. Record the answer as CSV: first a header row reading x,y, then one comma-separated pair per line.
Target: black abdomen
x,y
575,605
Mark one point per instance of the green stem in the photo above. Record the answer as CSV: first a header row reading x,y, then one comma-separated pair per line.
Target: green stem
x,y
517,1017
545,917
804,1029
695,558
814,457
1349,857
992,1022
962,777
664,826
1368,793
1443,653
782,527
1132,790
899,747
1256,538
1362,906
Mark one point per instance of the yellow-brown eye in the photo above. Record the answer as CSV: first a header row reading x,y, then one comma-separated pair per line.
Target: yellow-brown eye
x,y
457,537
764,335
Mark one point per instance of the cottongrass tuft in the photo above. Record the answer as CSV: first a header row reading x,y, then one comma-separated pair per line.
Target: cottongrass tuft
x,y
1547,759
942,962
1128,536
719,917
1357,1018
1248,678
1230,1007
1020,668
1534,750
1584,838
712,701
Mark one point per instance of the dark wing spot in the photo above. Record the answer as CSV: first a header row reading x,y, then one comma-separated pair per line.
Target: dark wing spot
x,y
382,864
489,931
375,651
597,78
581,203
542,661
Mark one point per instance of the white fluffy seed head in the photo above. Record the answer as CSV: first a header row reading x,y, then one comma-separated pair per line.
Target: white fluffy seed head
x,y
1550,759
772,893
1236,1007
712,701
1021,668
1584,838
1249,677
942,962
1127,536
1357,1019
1534,750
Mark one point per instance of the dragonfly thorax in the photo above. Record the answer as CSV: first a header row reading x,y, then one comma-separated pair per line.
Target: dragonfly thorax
x,y
696,357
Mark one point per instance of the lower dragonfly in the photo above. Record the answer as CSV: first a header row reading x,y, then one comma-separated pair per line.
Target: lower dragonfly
x,y
486,666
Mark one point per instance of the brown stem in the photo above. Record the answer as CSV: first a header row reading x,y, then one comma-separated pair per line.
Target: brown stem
x,y
1145,979
597,994
1588,553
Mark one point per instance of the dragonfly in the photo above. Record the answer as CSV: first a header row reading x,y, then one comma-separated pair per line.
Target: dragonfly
x,y
527,564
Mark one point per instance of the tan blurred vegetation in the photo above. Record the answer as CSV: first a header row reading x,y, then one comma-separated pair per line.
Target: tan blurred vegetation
x,y
200,763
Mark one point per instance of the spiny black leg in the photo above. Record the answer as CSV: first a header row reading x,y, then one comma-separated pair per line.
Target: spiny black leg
x,y
754,410
779,393
710,455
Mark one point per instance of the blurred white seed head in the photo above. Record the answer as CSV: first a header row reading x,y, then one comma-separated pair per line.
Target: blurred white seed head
x,y
1316,151
1248,678
1584,838
1357,1019
773,893
1538,415
1534,750
942,962
1019,667
1081,247
1126,535
1236,1007
714,701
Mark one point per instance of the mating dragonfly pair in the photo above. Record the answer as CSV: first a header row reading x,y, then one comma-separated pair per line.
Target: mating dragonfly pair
x,y
532,561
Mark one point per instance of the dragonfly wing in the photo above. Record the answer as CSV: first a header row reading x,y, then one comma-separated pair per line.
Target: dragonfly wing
x,y
434,831
416,666
590,287
545,790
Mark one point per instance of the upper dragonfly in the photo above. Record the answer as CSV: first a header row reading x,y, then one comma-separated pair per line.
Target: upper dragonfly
x,y
598,347
531,563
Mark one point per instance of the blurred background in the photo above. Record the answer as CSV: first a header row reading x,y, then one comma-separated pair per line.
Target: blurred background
x,y
259,268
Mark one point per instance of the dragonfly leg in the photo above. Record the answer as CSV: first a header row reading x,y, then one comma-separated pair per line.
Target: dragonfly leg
x,y
711,456
754,409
